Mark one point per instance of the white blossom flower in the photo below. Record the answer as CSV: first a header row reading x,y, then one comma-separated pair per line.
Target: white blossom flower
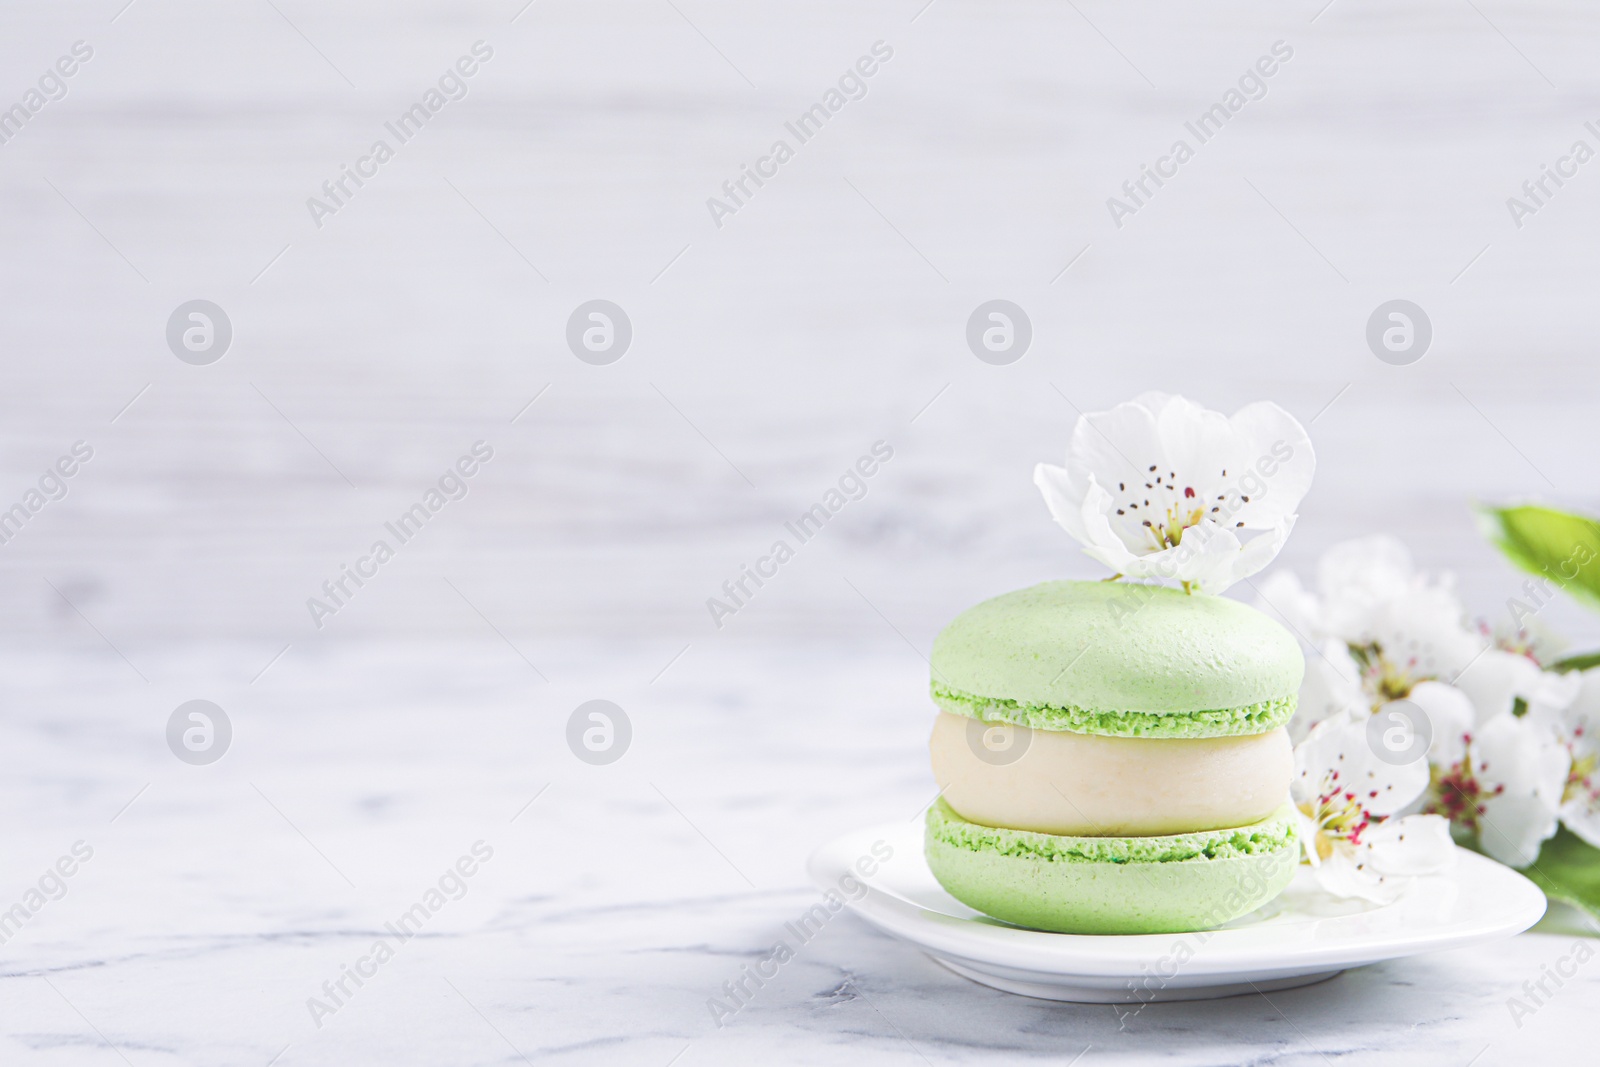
x,y
1348,799
1159,487
1578,726
1401,626
1514,750
1507,788
1331,686
1379,632
1451,717
1503,682
1503,772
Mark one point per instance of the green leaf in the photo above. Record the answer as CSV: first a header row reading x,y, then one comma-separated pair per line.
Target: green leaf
x,y
1555,545
1568,869
1584,662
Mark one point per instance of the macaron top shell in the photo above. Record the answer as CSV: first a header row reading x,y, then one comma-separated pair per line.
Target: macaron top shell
x,y
1119,659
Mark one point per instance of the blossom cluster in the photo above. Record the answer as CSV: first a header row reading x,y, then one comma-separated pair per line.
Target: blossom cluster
x,y
1445,722
1416,728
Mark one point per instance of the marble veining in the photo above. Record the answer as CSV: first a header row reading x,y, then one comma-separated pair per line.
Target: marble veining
x,y
430,714
615,907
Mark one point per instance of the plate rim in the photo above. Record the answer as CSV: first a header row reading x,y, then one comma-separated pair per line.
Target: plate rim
x,y
1112,955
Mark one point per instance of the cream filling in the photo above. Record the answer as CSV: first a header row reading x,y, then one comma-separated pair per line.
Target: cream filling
x,y
1056,782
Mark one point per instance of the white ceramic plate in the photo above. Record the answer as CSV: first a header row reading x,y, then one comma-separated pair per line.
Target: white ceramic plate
x,y
1303,936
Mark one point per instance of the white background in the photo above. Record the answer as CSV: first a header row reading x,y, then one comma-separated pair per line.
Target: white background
x,y
768,354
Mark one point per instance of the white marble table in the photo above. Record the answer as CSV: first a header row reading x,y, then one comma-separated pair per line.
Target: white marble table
x,y
219,901
369,755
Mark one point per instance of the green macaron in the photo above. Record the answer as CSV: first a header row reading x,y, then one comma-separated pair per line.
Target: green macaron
x,y
1112,885
1118,659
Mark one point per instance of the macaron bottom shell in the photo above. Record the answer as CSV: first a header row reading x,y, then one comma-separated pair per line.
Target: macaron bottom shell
x,y
1134,885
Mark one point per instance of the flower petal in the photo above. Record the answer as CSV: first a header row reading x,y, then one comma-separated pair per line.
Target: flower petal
x,y
1342,876
1412,846
1281,595
1116,446
1201,448
1153,400
1522,757
1268,438
1356,576
1100,540
1315,757
1511,829
1584,710
1522,770
1337,755
1422,630
1582,818
1174,477
1261,549
1392,854
1450,719
1497,679
1332,686
1065,504
1205,556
